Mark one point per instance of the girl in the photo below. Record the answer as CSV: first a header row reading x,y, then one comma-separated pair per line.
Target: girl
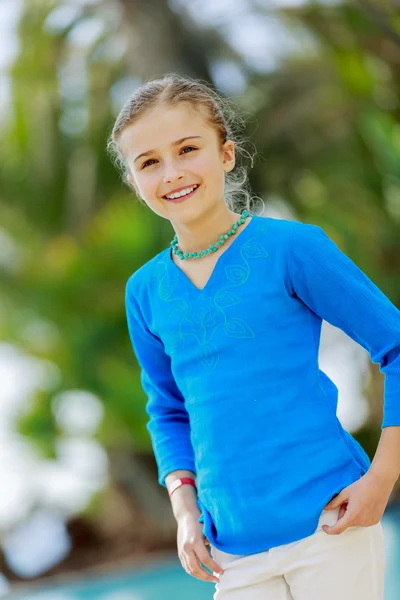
x,y
225,324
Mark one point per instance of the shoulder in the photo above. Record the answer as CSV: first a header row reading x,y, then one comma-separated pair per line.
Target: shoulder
x,y
289,227
310,240
140,279
289,231
293,241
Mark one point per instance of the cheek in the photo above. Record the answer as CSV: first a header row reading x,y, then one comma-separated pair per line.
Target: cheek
x,y
148,185
207,167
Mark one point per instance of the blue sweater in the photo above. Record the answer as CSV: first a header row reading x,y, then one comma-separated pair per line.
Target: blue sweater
x,y
234,389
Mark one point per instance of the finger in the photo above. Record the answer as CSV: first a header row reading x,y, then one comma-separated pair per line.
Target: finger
x,y
184,563
209,562
338,527
196,570
342,511
335,502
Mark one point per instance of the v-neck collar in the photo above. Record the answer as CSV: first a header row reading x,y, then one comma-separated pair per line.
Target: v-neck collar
x,y
180,273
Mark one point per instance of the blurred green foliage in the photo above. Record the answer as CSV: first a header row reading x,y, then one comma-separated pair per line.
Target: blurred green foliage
x,y
327,134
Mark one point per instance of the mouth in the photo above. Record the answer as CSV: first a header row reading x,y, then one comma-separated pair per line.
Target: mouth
x,y
182,198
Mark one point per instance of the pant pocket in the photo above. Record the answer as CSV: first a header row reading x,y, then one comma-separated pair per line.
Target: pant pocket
x,y
328,517
223,558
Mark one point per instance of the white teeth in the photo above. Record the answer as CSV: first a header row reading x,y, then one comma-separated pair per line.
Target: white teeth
x,y
183,192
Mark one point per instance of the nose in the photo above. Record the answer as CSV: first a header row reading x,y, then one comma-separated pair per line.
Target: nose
x,y
172,173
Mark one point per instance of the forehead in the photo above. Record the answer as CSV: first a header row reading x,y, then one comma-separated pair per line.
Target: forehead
x,y
160,126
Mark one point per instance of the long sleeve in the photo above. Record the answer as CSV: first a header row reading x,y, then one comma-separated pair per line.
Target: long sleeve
x,y
169,422
336,289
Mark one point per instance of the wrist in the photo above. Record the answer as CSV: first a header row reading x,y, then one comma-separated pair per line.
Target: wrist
x,y
187,515
179,482
385,478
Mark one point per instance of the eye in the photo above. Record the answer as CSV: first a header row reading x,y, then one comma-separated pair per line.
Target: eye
x,y
188,147
145,164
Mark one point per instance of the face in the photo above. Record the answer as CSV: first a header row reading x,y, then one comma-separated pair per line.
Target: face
x,y
170,165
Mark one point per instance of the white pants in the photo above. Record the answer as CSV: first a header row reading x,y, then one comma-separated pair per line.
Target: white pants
x,y
344,566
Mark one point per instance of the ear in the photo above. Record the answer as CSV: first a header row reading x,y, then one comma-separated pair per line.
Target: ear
x,y
228,155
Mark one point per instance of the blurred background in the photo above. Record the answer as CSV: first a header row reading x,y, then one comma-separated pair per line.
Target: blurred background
x,y
81,513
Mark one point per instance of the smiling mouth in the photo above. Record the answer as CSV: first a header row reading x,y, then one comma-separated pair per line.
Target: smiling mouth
x,y
181,198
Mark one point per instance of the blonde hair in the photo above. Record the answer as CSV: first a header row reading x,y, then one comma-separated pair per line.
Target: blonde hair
x,y
219,111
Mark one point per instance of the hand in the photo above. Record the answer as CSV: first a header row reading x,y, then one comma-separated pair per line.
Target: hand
x,y
192,549
361,504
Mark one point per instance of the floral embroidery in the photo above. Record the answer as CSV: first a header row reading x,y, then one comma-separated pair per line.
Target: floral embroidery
x,y
197,315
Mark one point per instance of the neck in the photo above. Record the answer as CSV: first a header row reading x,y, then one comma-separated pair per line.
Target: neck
x,y
196,235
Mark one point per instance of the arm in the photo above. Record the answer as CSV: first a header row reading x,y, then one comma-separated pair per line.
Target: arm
x,y
168,425
334,288
184,499
364,502
386,464
169,429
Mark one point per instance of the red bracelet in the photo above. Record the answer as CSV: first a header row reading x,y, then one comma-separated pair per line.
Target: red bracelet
x,y
178,482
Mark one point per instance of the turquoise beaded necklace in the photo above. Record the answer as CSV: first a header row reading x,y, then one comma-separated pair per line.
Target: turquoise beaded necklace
x,y
212,247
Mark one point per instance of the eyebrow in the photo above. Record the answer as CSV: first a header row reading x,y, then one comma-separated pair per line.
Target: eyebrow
x,y
176,143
